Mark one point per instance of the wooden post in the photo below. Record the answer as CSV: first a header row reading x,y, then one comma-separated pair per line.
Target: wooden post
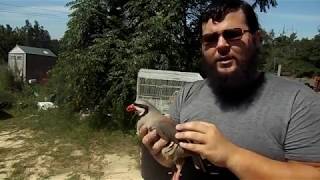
x,y
317,83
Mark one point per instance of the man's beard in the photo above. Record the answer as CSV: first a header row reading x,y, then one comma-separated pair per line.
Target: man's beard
x,y
237,86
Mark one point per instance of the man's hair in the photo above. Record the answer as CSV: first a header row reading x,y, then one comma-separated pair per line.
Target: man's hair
x,y
218,9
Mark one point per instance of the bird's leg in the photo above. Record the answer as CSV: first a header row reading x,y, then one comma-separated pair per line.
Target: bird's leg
x,y
177,171
175,153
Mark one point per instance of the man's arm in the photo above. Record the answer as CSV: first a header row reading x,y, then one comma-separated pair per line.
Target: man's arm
x,y
249,165
212,145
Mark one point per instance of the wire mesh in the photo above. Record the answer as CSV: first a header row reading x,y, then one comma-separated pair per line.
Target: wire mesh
x,y
161,87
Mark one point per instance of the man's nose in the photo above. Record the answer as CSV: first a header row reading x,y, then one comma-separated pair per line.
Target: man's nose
x,y
223,46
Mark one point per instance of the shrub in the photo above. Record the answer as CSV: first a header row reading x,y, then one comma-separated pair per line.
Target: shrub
x,y
7,80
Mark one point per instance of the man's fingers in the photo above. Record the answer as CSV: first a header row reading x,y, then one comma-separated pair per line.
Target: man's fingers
x,y
142,131
153,143
149,139
197,126
157,146
192,136
192,147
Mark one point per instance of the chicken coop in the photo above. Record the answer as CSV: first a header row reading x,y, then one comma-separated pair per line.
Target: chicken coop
x,y
160,87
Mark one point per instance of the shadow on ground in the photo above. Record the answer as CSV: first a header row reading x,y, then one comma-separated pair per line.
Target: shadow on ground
x,y
4,115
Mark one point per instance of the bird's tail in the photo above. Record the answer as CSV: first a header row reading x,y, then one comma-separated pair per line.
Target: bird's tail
x,y
198,163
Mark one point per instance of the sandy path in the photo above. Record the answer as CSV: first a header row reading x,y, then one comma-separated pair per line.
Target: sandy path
x,y
15,152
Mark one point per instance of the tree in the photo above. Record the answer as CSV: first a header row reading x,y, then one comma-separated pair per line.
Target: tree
x,y
89,20
92,66
9,38
298,57
264,4
35,36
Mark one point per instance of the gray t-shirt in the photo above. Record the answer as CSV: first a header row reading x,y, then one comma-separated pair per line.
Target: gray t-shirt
x,y
282,121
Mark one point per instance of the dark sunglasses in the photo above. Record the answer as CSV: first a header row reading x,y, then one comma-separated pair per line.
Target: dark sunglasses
x,y
229,35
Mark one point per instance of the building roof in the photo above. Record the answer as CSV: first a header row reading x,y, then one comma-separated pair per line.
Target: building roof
x,y
169,75
32,50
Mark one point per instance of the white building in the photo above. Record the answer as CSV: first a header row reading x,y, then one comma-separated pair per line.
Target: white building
x,y
30,63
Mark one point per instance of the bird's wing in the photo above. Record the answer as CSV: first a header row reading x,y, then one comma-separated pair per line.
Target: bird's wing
x,y
166,129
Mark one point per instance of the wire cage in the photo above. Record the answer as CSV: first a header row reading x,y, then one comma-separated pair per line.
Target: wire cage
x,y
160,87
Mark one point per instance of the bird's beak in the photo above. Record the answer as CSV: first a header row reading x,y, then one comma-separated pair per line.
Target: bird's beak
x,y
131,108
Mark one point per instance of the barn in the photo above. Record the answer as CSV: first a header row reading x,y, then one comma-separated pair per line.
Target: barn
x,y
30,63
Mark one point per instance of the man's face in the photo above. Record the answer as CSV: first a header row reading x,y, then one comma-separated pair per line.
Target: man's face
x,y
228,48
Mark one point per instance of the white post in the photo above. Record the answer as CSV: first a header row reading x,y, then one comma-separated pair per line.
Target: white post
x,y
279,70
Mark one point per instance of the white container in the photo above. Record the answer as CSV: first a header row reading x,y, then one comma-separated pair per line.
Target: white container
x,y
159,87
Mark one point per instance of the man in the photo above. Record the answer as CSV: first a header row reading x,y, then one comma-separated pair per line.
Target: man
x,y
244,123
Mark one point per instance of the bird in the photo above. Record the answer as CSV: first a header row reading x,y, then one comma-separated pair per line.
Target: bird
x,y
165,127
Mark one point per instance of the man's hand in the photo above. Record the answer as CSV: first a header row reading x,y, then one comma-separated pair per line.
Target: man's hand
x,y
154,144
210,143
207,140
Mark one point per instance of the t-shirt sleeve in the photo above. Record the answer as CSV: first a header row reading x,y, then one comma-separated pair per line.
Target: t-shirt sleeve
x,y
183,97
302,142
175,107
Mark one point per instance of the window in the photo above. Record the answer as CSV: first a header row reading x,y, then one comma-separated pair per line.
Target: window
x,y
12,57
19,57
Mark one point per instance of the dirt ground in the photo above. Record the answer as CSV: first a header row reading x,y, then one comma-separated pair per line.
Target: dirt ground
x,y
21,158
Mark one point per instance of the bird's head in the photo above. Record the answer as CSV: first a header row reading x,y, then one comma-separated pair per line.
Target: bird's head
x,y
139,107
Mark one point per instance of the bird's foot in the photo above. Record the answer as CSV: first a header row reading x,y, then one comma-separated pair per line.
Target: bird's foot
x,y
177,172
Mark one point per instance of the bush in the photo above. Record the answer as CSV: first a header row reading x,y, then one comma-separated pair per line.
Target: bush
x,y
7,99
6,84
95,81
7,81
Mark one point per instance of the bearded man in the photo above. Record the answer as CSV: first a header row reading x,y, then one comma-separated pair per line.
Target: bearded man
x,y
245,124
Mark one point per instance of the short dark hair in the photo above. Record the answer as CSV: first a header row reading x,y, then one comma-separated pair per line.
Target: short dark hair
x,y
218,9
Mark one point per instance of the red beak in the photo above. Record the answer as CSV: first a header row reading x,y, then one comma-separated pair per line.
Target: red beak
x,y
131,108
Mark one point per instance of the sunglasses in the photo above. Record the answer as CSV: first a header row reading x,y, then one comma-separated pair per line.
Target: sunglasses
x,y
229,35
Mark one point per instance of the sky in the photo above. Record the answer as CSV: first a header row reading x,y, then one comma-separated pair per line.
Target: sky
x,y
298,16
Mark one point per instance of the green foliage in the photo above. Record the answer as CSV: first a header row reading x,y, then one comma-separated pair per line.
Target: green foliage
x,y
298,57
9,38
35,36
8,98
7,86
264,4
89,20
6,78
7,81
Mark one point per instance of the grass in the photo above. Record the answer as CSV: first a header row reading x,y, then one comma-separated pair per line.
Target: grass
x,y
56,133
61,124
